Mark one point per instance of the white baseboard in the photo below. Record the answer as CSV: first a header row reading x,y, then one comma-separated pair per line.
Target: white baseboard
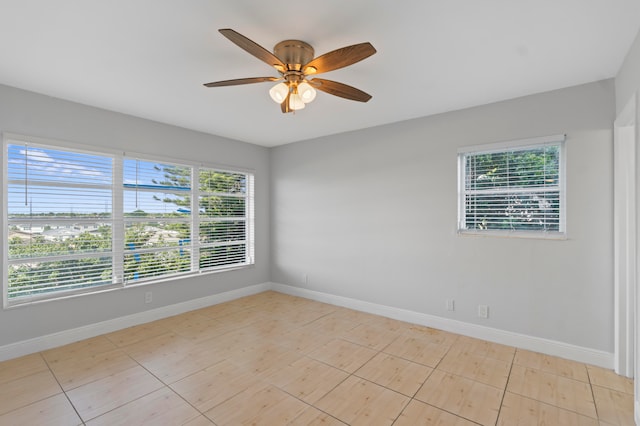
x,y
53,340
523,341
550,347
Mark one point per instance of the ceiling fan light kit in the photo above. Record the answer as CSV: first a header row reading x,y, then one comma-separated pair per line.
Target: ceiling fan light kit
x,y
294,61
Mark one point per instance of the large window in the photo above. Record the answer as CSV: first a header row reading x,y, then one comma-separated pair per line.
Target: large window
x,y
514,188
77,221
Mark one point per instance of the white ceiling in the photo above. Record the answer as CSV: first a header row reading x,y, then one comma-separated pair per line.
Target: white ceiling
x,y
149,58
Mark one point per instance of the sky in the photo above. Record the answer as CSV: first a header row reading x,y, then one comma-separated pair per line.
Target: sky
x,y
64,182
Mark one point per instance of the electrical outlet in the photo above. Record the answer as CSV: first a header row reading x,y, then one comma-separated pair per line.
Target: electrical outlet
x,y
148,297
483,311
451,305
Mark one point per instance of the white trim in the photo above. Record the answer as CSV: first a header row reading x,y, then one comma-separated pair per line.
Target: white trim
x,y
550,347
517,143
53,340
46,142
636,411
625,239
537,344
507,233
40,142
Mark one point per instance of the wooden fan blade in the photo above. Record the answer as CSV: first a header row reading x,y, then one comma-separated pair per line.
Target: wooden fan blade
x,y
340,89
238,81
254,48
284,106
339,58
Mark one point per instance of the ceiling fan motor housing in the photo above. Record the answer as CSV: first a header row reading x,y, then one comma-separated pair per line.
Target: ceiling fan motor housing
x,y
294,53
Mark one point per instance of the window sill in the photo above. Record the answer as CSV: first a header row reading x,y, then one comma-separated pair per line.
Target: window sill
x,y
29,301
536,235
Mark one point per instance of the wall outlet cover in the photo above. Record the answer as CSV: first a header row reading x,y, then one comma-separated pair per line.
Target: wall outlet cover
x,y
483,311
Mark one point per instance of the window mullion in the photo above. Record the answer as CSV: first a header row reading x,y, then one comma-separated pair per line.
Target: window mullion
x,y
117,230
195,218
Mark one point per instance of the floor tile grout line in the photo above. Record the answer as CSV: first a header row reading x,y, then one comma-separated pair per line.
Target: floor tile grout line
x,y
164,385
561,377
309,404
593,395
61,388
506,385
185,400
555,406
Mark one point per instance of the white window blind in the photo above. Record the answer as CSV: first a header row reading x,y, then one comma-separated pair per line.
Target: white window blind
x,y
78,221
515,188
225,200
59,206
157,219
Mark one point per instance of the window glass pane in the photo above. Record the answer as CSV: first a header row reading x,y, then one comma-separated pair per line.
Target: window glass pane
x,y
45,182
218,231
519,168
223,207
156,204
157,210
514,189
38,278
27,240
155,189
516,211
150,174
211,257
212,181
138,266
140,235
59,208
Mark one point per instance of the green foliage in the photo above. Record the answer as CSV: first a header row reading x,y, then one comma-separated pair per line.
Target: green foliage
x,y
221,200
495,184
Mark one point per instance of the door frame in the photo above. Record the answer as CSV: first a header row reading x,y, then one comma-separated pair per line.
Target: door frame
x,y
625,238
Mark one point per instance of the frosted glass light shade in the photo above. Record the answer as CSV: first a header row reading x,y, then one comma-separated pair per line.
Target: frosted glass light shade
x,y
279,92
306,92
295,102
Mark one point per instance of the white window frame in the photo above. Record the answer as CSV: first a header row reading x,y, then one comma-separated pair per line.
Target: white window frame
x,y
118,220
39,143
506,146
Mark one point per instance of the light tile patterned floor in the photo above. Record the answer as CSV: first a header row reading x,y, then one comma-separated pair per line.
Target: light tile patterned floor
x,y
273,359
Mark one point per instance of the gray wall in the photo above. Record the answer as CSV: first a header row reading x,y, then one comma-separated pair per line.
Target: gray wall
x,y
372,215
628,78
37,115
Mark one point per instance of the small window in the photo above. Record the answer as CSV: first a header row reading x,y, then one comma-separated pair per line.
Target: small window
x,y
514,188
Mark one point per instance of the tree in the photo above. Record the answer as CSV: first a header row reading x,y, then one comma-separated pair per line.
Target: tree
x,y
221,200
507,194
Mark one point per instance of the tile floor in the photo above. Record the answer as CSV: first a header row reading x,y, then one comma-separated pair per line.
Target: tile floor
x,y
273,359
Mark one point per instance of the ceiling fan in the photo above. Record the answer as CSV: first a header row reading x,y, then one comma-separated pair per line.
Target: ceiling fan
x,y
294,61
